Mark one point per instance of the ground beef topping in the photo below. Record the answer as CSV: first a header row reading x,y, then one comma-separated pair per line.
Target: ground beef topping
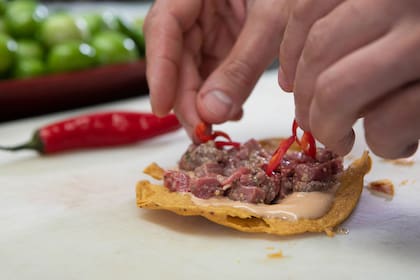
x,y
239,173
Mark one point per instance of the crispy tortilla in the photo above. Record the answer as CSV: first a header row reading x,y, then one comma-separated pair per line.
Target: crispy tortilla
x,y
155,196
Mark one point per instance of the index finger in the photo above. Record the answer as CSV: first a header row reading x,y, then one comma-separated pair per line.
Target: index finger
x,y
164,27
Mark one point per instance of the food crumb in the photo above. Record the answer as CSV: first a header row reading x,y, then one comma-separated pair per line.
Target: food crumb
x,y
329,232
382,187
402,161
277,255
404,182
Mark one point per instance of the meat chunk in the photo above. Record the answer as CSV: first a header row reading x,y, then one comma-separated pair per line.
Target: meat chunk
x,y
208,169
251,194
197,155
206,187
312,186
177,181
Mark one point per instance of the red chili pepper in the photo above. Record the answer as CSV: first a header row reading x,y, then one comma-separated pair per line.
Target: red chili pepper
x,y
98,130
202,132
307,144
278,155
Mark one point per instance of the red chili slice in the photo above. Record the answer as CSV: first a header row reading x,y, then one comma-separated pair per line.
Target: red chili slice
x,y
218,133
202,133
278,155
307,144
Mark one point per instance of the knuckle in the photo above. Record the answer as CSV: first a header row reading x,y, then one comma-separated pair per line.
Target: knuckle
x,y
327,93
240,72
314,49
302,9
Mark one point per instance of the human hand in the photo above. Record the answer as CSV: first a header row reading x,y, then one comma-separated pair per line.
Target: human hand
x,y
350,59
205,57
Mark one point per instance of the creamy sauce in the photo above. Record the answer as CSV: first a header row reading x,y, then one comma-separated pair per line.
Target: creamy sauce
x,y
298,205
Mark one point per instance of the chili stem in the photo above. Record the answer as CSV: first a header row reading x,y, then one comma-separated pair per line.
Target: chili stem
x,y
34,144
26,146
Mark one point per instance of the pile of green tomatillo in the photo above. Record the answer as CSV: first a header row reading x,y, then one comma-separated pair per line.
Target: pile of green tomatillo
x,y
35,41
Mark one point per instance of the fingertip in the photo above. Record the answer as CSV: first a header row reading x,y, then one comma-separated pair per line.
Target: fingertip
x,y
404,151
158,112
345,144
302,119
283,81
188,126
238,116
409,150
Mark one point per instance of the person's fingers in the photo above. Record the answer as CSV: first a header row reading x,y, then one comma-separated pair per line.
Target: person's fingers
x,y
303,15
163,29
223,93
392,129
189,83
331,38
351,86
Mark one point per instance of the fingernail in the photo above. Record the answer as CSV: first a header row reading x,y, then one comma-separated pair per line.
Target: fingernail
x,y
218,103
283,82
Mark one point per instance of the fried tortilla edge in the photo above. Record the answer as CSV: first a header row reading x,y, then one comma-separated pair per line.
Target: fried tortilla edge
x,y
155,196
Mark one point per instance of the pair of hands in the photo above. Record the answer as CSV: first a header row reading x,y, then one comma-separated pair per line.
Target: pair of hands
x,y
343,59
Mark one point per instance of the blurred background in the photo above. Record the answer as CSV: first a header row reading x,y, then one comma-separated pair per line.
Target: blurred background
x,y
60,55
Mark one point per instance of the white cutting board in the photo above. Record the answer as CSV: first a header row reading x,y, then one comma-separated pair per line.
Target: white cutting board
x,y
73,216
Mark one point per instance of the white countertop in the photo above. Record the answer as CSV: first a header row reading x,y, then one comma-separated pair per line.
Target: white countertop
x,y
74,216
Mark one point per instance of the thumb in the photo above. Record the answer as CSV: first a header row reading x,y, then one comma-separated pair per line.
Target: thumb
x,y
222,95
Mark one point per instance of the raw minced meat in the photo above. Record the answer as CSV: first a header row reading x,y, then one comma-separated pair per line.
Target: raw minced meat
x,y
239,174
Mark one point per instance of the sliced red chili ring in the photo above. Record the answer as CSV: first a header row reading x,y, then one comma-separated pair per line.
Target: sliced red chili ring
x,y
218,133
278,155
307,144
202,133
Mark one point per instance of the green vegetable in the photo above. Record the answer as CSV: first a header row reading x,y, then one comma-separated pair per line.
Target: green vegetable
x,y
110,21
2,26
94,22
34,42
114,47
7,53
2,7
61,28
27,48
70,56
135,33
29,67
23,17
